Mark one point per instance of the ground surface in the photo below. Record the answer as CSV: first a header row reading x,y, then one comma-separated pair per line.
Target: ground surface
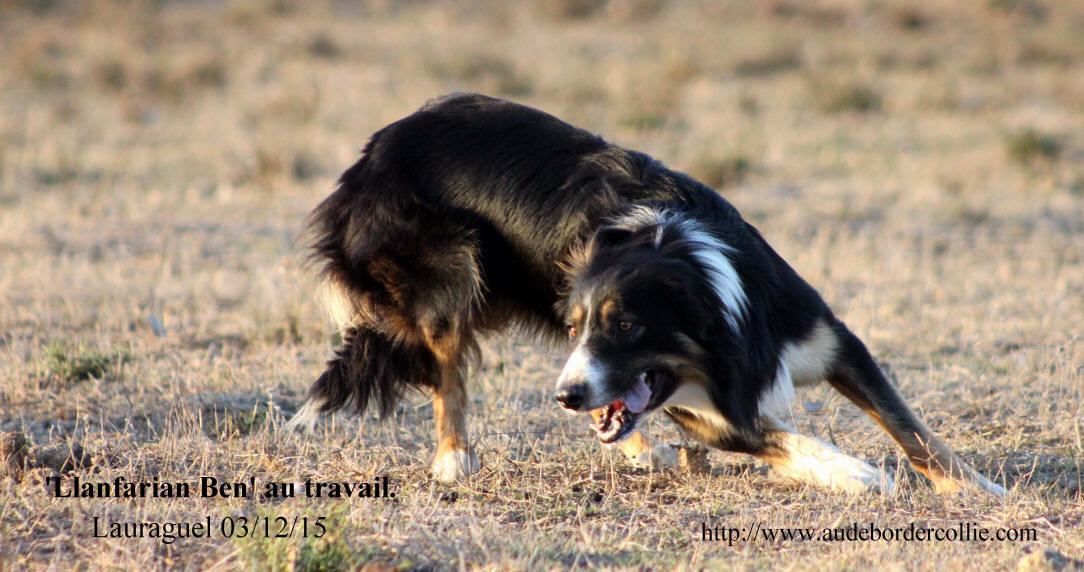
x,y
923,167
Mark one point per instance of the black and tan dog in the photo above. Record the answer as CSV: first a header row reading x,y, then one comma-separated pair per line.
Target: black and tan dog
x,y
475,214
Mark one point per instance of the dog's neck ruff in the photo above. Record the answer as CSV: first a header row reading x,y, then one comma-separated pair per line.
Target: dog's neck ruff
x,y
712,255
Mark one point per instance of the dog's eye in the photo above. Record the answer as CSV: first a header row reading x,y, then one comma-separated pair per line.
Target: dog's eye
x,y
624,325
572,332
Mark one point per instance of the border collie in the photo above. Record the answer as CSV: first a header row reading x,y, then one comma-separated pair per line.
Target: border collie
x,y
475,214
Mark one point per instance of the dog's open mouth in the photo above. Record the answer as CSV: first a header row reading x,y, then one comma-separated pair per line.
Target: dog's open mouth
x,y
615,421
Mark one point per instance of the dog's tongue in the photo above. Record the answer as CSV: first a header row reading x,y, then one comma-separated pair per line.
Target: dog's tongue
x,y
637,397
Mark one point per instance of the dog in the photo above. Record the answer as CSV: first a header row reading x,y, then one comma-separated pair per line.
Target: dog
x,y
475,214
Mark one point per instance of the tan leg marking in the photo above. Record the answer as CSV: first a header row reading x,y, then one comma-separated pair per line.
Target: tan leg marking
x,y
454,459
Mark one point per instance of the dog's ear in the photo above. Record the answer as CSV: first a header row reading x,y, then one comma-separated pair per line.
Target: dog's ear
x,y
579,257
610,236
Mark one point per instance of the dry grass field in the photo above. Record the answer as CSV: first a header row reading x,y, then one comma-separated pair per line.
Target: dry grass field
x,y
921,164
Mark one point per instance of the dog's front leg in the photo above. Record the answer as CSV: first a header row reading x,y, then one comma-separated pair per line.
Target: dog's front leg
x,y
641,452
809,460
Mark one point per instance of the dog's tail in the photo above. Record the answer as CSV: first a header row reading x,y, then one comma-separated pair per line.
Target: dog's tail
x,y
370,367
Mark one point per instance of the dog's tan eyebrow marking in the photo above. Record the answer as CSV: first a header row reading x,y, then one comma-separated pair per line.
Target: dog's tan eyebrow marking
x,y
577,314
608,310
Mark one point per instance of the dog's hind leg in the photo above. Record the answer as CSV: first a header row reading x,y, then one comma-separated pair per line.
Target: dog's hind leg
x,y
454,459
856,376
444,310
403,284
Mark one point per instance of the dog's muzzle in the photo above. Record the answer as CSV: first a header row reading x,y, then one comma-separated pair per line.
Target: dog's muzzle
x,y
572,396
615,419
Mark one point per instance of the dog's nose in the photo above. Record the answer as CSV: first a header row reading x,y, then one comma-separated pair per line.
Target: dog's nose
x,y
571,396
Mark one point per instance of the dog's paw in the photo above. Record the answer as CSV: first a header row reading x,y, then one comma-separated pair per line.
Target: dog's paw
x,y
455,465
989,486
657,457
975,482
861,477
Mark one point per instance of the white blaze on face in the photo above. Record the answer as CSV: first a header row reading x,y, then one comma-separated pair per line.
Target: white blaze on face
x,y
582,367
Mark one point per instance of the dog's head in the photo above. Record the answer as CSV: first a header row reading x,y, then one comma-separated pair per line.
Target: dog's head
x,y
643,307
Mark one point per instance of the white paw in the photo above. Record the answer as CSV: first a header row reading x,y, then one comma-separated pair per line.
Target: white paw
x,y
857,476
658,457
992,488
987,485
455,465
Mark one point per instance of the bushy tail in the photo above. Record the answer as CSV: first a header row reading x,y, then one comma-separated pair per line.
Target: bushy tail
x,y
369,367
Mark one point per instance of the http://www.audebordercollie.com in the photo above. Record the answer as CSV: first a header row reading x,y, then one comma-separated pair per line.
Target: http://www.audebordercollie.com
x,y
475,214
